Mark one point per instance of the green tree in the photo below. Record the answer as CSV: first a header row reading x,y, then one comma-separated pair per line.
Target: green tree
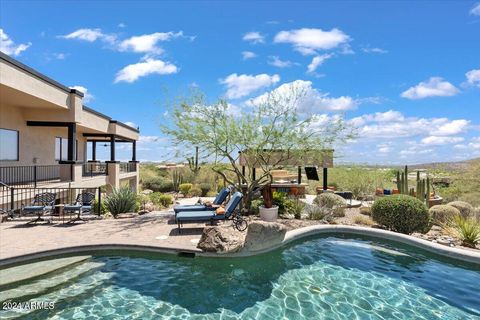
x,y
267,124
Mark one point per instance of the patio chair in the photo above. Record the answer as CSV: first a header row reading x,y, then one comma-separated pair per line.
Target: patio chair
x,y
42,204
219,199
83,204
211,215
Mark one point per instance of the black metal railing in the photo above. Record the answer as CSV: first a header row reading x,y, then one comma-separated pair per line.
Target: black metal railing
x,y
126,167
92,169
29,176
13,199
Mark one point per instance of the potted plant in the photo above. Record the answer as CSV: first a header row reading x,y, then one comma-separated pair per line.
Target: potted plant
x,y
268,212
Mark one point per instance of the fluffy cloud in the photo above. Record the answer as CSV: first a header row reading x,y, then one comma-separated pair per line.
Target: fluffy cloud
x,y
308,41
90,35
242,85
87,97
254,37
473,77
438,141
393,124
434,87
277,62
9,47
475,11
248,55
310,100
374,50
147,43
133,72
318,61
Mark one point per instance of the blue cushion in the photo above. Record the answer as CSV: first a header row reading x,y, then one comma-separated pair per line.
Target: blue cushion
x,y
193,207
34,208
72,207
195,215
221,196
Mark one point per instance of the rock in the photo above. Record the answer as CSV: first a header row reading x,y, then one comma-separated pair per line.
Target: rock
x,y
262,235
149,207
147,191
221,239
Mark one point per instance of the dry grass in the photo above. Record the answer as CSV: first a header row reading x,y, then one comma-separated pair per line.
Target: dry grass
x,y
363,220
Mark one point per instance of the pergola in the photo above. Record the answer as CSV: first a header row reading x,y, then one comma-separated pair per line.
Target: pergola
x,y
112,139
299,158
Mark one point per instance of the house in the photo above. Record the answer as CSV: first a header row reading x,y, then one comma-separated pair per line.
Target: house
x,y
45,130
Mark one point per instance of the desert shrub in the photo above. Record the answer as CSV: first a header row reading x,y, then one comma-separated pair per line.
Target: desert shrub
x,y
296,208
366,210
361,219
121,200
205,187
99,208
158,184
254,206
211,194
195,192
441,214
401,213
315,212
338,212
465,208
466,229
184,188
329,200
160,199
281,200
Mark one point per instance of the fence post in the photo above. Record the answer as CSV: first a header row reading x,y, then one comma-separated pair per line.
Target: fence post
x,y
12,198
35,176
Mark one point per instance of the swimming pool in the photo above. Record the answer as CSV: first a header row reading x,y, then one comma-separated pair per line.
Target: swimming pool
x,y
328,277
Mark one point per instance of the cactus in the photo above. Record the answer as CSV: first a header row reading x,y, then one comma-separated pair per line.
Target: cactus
x,y
193,163
177,180
422,189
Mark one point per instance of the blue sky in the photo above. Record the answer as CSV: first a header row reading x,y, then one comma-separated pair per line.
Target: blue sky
x,y
406,74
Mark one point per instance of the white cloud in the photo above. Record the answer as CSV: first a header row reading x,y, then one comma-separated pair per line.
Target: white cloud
x,y
308,41
318,61
59,56
254,37
9,47
451,128
131,124
122,25
475,11
248,55
90,35
473,77
133,72
436,140
147,43
277,62
242,85
433,87
87,97
310,99
374,50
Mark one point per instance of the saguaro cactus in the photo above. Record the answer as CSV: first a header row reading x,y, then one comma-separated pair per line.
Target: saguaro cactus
x,y
177,180
193,163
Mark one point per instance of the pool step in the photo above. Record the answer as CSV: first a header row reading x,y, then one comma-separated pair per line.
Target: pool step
x,y
49,283
13,276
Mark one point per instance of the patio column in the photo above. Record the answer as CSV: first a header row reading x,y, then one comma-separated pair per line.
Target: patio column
x,y
243,173
94,150
325,178
112,148
299,179
72,135
134,150
254,173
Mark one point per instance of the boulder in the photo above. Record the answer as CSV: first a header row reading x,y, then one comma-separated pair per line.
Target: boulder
x,y
262,235
221,239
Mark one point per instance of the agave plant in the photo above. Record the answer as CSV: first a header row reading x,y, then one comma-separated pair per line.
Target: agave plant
x,y
467,229
121,200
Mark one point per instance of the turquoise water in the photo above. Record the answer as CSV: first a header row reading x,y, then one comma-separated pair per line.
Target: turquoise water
x,y
320,278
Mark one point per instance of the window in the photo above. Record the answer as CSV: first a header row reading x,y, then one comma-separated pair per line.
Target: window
x,y
8,145
61,149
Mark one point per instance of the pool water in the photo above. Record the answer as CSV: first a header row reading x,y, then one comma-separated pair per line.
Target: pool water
x,y
318,278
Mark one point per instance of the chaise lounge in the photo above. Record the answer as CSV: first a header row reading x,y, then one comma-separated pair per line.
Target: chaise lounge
x,y
209,215
219,199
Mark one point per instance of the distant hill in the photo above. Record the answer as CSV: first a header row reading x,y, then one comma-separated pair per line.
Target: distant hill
x,y
457,165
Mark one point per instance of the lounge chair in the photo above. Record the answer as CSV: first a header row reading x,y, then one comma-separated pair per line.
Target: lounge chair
x,y
42,204
83,204
209,215
219,199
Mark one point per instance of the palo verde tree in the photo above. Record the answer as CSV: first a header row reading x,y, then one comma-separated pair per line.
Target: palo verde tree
x,y
271,122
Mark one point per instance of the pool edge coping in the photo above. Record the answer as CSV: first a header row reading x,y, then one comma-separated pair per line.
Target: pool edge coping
x,y
292,235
